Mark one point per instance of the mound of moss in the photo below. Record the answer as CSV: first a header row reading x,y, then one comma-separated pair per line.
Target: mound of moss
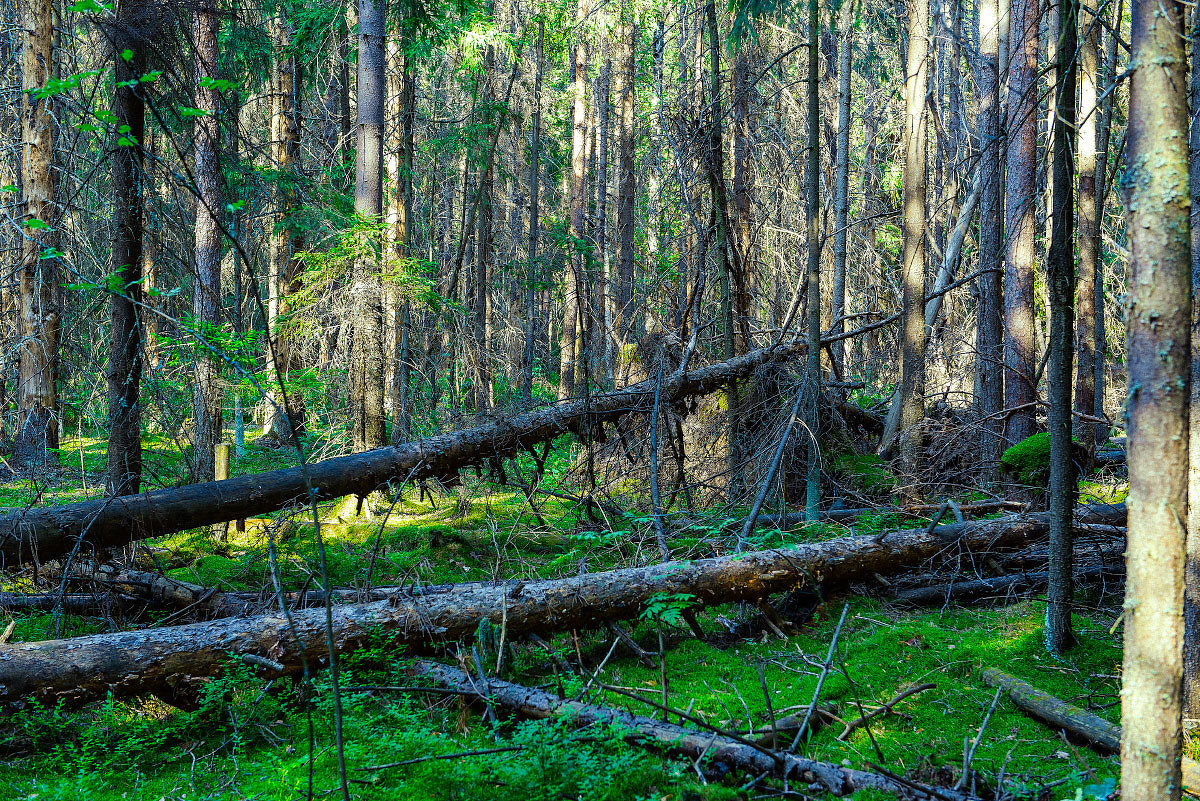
x,y
1028,462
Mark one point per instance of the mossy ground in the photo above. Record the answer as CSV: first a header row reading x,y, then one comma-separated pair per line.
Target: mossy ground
x,y
251,738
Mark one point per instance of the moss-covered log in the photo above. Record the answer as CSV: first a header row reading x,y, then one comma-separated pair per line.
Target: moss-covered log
x,y
169,661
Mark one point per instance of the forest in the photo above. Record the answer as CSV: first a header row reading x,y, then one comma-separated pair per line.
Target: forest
x,y
599,400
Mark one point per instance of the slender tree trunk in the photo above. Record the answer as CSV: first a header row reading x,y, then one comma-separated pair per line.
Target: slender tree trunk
x,y
37,393
609,304
484,244
532,272
989,354
1061,277
368,205
911,393
841,189
812,375
1159,359
401,99
1089,222
578,201
1105,138
626,167
206,298
742,224
125,361
284,272
1020,336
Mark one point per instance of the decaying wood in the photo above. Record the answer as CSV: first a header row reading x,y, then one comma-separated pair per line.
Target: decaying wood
x,y
746,757
1092,729
47,532
997,587
169,660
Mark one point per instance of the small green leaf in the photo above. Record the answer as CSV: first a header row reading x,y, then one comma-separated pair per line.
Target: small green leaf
x,y
127,54
36,224
188,111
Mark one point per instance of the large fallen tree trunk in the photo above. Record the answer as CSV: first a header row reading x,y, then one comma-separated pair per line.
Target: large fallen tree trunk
x,y
48,532
709,747
168,661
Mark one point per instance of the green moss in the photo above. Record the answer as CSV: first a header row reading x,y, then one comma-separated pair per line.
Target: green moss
x,y
867,470
1028,462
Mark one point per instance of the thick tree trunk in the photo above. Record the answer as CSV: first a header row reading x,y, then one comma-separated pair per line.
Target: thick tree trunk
x,y
1191,603
206,297
44,533
124,456
1061,277
1159,363
1020,336
989,325
173,661
368,205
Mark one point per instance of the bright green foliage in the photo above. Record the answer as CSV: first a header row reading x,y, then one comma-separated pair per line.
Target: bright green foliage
x,y
1029,460
867,470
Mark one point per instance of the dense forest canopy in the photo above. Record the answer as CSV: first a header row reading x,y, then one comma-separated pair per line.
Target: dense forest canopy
x,y
550,341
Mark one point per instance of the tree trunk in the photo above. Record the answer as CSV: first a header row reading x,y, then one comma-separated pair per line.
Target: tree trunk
x,y
1089,222
578,201
37,392
1020,336
124,476
1191,604
989,331
206,297
368,205
480,290
841,190
1061,277
401,100
626,75
1159,362
910,395
812,177
172,661
532,271
283,278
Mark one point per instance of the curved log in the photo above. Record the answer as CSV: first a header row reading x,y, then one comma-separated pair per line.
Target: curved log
x,y
168,661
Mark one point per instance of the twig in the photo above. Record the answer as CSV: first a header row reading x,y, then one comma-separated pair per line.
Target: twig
x,y
480,752
970,755
886,709
659,531
820,680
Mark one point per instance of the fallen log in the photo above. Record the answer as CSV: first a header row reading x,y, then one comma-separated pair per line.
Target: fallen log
x,y
47,532
73,603
711,747
1091,729
998,587
167,661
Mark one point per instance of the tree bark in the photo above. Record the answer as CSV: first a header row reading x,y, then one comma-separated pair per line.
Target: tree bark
x,y
206,297
626,75
812,375
124,455
1088,221
910,395
578,201
369,427
1020,336
532,272
691,743
173,661
1191,602
989,325
37,392
1159,361
1061,277
283,278
841,189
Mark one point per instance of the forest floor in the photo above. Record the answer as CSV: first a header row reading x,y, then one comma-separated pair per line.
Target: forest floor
x,y
252,738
